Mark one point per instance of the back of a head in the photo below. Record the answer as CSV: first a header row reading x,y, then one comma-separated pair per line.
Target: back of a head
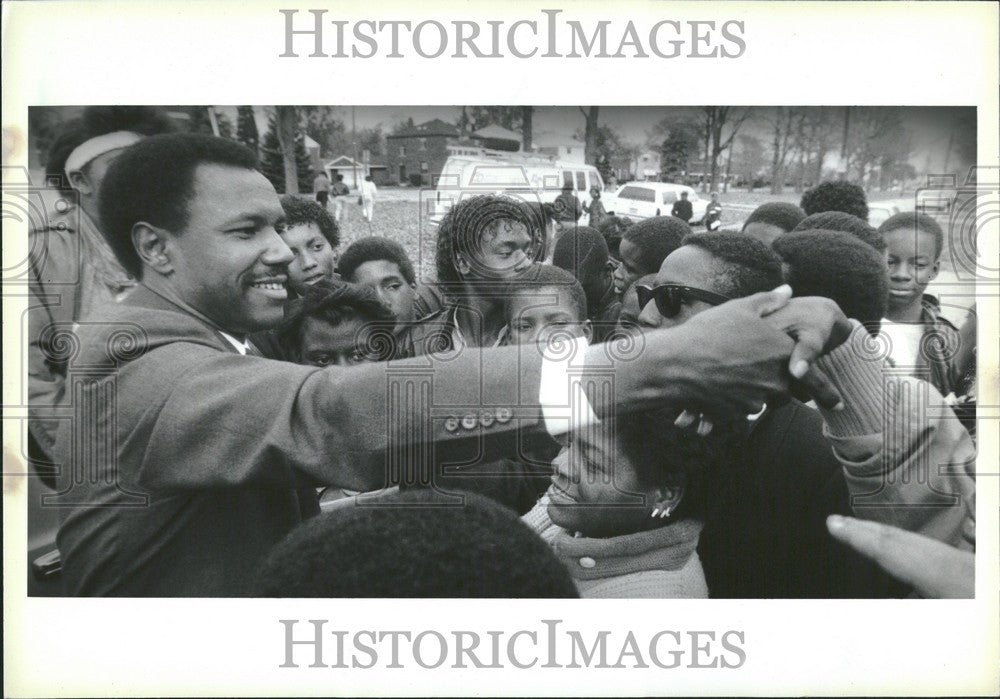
x,y
583,252
656,237
748,266
836,196
152,180
781,214
613,228
371,249
838,266
839,221
417,543
911,221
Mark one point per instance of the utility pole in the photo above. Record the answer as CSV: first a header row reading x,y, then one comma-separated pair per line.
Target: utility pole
x,y
847,131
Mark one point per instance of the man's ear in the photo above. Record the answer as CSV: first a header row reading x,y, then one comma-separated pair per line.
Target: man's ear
x,y
152,244
669,496
588,330
80,182
935,268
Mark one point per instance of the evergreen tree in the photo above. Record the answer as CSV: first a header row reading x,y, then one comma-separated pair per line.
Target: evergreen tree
x,y
246,128
273,165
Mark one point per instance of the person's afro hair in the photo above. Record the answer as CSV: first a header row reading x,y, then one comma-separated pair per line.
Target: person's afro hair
x,y
375,248
846,223
656,237
782,214
750,266
335,302
838,266
913,221
415,544
462,227
540,276
300,211
836,196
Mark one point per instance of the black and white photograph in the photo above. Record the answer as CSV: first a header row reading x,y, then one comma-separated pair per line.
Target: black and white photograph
x,y
400,387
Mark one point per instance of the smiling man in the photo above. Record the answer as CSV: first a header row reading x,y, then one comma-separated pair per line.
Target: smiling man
x,y
187,458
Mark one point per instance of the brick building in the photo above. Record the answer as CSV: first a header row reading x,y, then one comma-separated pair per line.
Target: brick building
x,y
415,154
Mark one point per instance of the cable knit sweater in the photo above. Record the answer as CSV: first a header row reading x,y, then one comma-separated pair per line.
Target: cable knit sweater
x,y
659,563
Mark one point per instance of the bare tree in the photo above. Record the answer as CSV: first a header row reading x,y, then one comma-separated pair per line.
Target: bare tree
x,y
288,126
782,129
590,134
716,119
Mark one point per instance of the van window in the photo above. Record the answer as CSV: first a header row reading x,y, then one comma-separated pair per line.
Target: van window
x,y
567,179
637,193
595,181
669,197
581,182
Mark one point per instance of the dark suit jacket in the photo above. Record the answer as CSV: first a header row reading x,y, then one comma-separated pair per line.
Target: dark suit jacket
x,y
183,461
766,535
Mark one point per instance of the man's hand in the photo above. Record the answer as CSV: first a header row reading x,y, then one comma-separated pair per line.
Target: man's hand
x,y
724,362
933,568
818,326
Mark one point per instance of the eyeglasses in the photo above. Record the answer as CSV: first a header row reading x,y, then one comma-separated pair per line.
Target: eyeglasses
x,y
669,297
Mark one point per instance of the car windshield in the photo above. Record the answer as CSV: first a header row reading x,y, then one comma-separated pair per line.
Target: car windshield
x,y
637,193
669,197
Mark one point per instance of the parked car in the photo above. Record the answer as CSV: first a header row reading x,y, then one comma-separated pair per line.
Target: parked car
x,y
880,211
639,200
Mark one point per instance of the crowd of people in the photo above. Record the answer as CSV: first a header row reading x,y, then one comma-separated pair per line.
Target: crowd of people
x,y
609,410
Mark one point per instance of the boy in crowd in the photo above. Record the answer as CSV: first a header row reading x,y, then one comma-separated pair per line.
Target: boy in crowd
x,y
913,246
836,196
584,253
482,243
313,236
773,219
645,245
337,324
628,317
382,265
545,303
839,221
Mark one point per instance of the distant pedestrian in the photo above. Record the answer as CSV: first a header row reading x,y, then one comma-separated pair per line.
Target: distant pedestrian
x,y
682,208
713,214
368,192
567,209
338,192
595,208
321,186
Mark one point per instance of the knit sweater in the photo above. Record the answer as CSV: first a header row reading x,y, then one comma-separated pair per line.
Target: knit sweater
x,y
659,564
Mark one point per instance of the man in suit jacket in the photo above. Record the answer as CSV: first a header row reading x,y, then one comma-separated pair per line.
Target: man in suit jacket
x,y
188,457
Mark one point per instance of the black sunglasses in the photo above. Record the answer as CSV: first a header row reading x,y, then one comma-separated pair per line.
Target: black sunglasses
x,y
669,297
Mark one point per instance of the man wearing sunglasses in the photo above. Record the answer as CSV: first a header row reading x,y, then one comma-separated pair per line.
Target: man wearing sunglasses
x,y
766,536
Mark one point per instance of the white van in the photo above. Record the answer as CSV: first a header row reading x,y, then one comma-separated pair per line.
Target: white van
x,y
531,176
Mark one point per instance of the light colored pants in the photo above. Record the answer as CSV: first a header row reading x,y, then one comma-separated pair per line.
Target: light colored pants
x,y
368,209
338,208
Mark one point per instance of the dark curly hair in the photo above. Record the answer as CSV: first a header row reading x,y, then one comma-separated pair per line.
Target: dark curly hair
x,y
299,211
333,302
913,221
415,543
836,196
659,452
151,181
782,214
461,228
613,228
846,223
837,266
540,276
751,266
583,252
656,237
375,248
